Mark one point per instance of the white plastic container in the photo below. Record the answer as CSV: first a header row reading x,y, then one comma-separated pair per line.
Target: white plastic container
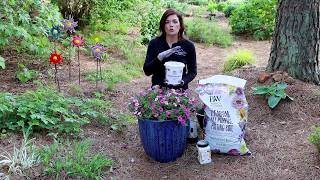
x,y
204,152
174,72
193,132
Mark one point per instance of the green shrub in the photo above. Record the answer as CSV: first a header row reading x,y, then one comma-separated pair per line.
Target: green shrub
x,y
105,12
24,26
179,6
274,93
221,6
229,8
150,24
209,32
73,160
254,17
238,59
314,137
212,6
198,2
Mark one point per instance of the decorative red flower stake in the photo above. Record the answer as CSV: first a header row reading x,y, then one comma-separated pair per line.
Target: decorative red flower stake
x,y
56,58
78,41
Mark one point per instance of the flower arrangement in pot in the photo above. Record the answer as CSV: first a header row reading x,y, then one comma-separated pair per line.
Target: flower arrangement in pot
x,y
163,117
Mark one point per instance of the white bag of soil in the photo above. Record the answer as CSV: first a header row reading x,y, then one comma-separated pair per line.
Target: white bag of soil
x,y
226,113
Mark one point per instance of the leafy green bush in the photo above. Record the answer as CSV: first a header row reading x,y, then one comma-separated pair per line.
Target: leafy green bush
x,y
46,109
117,12
198,2
209,32
150,24
274,92
229,8
73,160
24,26
212,6
221,6
255,17
314,137
238,59
179,6
24,74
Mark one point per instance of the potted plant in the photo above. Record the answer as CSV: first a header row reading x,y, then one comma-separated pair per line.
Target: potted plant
x,y
163,117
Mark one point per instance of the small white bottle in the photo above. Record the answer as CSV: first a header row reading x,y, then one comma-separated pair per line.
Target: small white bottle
x,y
204,152
193,132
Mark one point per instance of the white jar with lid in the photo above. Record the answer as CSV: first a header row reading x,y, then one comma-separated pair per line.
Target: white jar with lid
x,y
204,152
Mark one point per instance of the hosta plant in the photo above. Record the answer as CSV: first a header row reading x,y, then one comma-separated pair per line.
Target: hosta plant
x,y
274,93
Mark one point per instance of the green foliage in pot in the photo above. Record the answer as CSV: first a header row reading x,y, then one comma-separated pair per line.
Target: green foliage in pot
x,y
274,93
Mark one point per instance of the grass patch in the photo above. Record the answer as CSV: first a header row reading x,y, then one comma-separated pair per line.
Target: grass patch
x,y
73,160
207,31
238,59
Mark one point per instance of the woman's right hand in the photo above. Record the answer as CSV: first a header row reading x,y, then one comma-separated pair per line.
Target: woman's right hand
x,y
168,52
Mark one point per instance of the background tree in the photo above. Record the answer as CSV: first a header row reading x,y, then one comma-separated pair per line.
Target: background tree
x,y
295,46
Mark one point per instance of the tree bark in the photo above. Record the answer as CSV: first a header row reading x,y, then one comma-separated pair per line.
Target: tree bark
x,y
295,46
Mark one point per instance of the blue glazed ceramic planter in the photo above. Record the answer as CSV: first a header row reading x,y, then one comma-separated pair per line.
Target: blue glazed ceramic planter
x,y
163,141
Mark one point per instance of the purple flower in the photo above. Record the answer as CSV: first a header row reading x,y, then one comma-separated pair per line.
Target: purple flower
x,y
168,113
181,120
239,91
98,50
187,112
237,102
69,24
162,101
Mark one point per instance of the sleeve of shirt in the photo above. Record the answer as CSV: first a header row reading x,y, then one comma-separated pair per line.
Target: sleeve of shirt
x,y
151,62
191,65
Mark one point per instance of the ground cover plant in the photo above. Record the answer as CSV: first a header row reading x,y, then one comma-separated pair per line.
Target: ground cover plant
x,y
72,159
46,109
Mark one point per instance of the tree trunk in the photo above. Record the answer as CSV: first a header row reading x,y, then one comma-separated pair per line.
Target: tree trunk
x,y
295,46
